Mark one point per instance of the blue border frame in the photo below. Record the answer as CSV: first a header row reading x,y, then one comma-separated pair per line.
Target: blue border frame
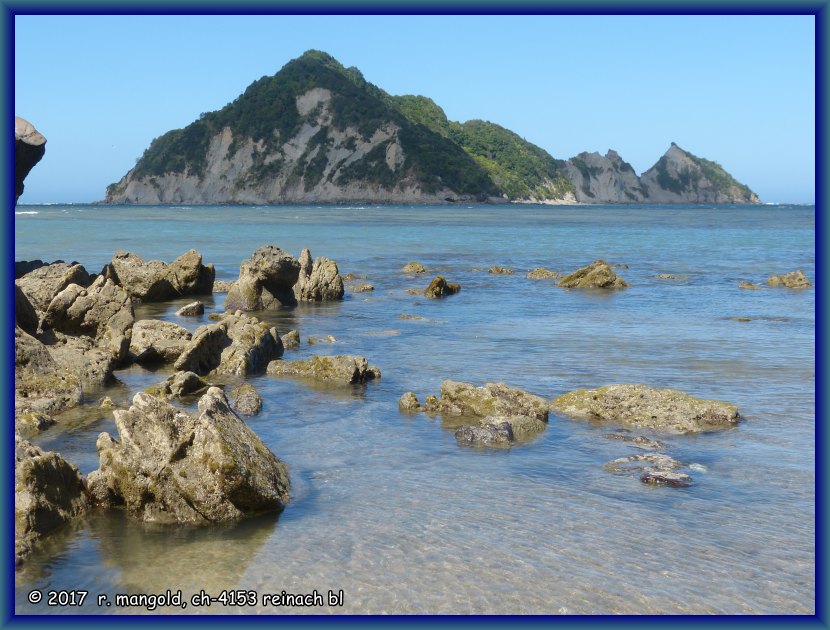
x,y
818,8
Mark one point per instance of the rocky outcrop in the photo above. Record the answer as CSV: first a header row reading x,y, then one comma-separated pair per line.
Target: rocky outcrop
x,y
540,273
40,385
439,287
246,400
492,399
173,466
498,270
29,148
179,385
414,267
342,369
318,282
641,406
155,341
48,491
408,402
25,315
103,311
792,280
156,281
604,179
291,340
597,275
82,357
239,344
41,285
266,281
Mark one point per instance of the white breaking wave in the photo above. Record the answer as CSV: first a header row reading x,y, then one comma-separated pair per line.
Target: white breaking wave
x,y
26,212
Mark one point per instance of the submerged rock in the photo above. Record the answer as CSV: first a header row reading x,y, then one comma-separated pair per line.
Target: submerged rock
x,y
246,400
266,281
498,270
318,282
363,288
315,340
191,310
748,285
642,406
792,280
173,466
42,284
342,369
597,275
156,341
541,273
489,435
48,491
155,280
439,287
414,267
638,441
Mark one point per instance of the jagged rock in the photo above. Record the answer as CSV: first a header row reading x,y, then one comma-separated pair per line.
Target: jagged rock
x,y
221,286
191,310
500,271
363,288
156,281
439,287
748,285
315,340
318,282
541,273
409,402
40,385
339,369
173,466
291,340
156,341
177,385
246,400
522,427
638,441
29,147
414,267
239,344
597,275
604,179
32,423
22,267
265,281
25,315
490,435
492,399
104,312
792,280
82,357
48,491
41,285
643,406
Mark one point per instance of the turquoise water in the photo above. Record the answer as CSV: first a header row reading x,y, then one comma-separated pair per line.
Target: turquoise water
x,y
388,508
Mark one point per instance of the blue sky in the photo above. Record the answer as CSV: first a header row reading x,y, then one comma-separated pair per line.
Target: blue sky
x,y
739,90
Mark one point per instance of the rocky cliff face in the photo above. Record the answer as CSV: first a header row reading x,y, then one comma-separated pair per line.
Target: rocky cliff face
x,y
29,147
604,179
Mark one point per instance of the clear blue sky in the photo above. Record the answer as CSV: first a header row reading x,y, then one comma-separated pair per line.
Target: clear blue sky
x,y
739,90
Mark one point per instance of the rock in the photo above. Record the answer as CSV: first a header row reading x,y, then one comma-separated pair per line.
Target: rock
x,y
318,282
522,427
291,340
246,400
216,317
177,385
156,281
343,369
409,402
29,148
412,291
741,319
40,385
649,462
604,179
266,281
32,423
792,280
500,271
104,312
669,276
239,344
156,341
490,435
363,288
221,286
748,285
416,318
666,478
106,403
542,274
48,491
191,310
414,267
493,399
22,267
314,340
637,441
597,275
173,466
42,284
25,315
82,357
439,287
646,407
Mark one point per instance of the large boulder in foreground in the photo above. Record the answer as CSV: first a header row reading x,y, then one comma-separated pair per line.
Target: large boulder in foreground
x,y
29,148
239,344
176,467
792,280
597,275
319,281
156,341
266,281
41,285
48,491
343,369
641,406
155,280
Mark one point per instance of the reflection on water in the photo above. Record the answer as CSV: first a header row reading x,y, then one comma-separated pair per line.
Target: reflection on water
x,y
388,508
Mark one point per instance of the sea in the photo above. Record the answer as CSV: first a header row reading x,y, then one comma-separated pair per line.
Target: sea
x,y
388,514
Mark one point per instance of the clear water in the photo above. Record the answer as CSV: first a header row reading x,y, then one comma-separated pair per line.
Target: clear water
x,y
388,508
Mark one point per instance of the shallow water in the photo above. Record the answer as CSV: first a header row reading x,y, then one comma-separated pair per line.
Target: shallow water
x,y
388,508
